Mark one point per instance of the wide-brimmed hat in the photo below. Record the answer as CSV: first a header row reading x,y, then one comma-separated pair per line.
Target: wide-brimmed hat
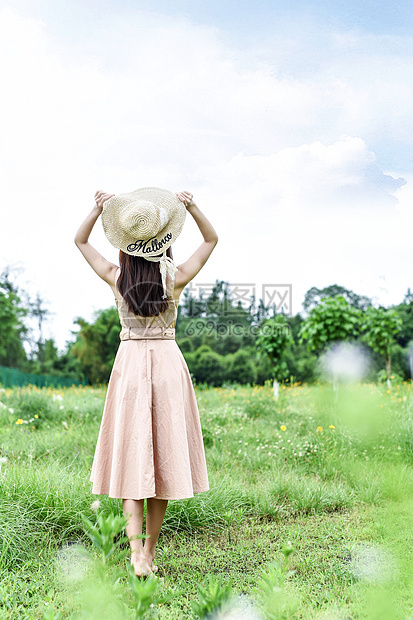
x,y
144,222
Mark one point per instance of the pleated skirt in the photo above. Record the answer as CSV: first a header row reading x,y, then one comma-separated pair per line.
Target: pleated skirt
x,y
150,439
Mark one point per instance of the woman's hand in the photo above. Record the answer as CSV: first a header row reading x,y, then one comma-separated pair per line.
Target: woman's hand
x,y
100,198
187,198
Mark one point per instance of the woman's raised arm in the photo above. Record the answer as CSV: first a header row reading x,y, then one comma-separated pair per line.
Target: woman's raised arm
x,y
188,270
105,269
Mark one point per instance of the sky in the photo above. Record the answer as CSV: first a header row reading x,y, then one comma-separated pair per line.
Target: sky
x,y
289,121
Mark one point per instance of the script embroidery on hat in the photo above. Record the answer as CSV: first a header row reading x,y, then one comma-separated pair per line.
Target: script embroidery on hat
x,y
149,245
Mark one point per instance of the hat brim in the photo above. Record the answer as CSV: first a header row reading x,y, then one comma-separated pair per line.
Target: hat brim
x,y
121,239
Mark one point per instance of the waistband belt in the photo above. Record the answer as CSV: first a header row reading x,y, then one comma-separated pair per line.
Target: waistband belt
x,y
152,333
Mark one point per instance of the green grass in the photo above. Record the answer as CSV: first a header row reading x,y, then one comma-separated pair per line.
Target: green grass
x,y
326,471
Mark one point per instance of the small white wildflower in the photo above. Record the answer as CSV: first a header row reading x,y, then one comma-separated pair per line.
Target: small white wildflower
x,y
65,425
11,410
2,405
61,407
95,505
3,459
57,397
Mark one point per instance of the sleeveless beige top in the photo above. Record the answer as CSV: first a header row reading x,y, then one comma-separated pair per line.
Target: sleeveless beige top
x,y
135,327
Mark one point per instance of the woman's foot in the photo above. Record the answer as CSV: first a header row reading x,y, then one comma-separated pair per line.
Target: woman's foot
x,y
149,560
141,566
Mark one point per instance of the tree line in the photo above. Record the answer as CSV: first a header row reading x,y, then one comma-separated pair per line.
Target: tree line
x,y
222,339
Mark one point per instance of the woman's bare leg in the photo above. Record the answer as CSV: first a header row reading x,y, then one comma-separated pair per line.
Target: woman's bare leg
x,y
134,507
155,512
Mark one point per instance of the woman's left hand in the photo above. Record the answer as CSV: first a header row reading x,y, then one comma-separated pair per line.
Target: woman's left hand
x,y
100,198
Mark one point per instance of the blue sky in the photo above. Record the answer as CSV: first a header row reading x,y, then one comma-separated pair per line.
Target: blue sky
x,y
249,19
291,123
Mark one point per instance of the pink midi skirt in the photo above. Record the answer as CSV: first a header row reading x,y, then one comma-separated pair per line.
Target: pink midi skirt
x,y
150,440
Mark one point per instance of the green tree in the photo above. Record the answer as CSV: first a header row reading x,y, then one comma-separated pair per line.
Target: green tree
x,y
301,362
38,311
273,341
315,295
59,364
379,329
96,345
333,320
12,328
405,311
217,320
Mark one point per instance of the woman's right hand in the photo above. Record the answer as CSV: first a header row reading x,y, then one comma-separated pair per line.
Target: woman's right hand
x,y
100,198
187,198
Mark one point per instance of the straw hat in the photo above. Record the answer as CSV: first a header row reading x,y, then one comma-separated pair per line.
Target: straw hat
x,y
144,222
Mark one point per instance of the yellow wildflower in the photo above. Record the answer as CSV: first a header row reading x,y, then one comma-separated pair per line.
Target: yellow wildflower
x,y
35,415
19,421
319,429
331,426
283,427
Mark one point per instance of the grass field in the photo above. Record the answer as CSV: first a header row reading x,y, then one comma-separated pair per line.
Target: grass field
x,y
325,476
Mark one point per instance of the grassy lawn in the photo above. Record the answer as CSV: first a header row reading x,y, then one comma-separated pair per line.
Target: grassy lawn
x,y
329,474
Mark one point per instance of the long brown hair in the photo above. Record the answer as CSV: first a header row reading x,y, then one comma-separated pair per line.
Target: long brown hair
x,y
140,284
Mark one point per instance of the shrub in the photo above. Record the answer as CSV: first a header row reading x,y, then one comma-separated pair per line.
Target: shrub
x,y
242,369
186,345
210,367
